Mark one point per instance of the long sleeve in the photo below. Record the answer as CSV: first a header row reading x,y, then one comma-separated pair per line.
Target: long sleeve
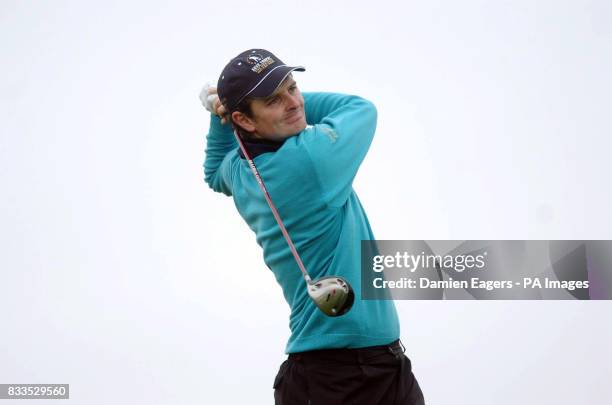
x,y
344,127
219,143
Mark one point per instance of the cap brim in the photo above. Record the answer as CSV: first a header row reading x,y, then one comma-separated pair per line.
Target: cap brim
x,y
272,80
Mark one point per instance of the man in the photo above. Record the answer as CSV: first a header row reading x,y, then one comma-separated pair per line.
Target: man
x,y
308,148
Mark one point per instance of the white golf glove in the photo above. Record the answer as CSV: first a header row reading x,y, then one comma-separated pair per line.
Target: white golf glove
x,y
208,100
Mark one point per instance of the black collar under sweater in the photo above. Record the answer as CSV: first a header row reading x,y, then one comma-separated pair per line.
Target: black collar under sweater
x,y
256,147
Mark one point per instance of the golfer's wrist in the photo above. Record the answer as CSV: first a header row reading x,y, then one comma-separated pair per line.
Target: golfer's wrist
x,y
217,127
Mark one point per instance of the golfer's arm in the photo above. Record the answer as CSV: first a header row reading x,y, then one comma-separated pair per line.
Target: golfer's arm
x,y
219,143
339,141
319,105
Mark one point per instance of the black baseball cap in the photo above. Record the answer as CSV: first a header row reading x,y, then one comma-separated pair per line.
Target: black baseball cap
x,y
253,73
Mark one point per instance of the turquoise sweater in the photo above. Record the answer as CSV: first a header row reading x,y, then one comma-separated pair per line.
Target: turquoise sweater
x,y
310,178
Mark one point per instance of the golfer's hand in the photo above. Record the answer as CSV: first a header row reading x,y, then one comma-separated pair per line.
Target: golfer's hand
x,y
218,108
210,101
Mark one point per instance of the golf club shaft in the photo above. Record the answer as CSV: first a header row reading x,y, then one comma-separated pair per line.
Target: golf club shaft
x,y
273,208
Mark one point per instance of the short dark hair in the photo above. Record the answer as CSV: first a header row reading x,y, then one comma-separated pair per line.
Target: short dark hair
x,y
245,107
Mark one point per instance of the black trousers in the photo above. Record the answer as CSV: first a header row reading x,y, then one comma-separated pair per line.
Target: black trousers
x,y
367,376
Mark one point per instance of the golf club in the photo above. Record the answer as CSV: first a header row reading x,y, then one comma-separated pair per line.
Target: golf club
x,y
333,295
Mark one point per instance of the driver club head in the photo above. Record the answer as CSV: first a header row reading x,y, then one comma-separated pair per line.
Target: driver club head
x,y
332,294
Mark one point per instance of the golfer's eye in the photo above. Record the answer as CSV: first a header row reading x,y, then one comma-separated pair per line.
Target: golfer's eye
x,y
293,88
273,100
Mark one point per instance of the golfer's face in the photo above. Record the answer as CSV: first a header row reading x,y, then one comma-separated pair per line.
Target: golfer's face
x,y
280,115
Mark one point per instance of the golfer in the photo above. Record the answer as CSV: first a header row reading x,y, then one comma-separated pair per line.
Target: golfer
x,y
307,148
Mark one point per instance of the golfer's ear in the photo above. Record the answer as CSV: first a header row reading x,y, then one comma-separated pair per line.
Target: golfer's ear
x,y
243,121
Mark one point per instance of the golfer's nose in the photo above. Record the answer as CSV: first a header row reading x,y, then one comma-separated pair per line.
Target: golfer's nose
x,y
293,101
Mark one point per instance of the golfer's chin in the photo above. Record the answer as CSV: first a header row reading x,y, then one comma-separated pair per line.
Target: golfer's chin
x,y
295,126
